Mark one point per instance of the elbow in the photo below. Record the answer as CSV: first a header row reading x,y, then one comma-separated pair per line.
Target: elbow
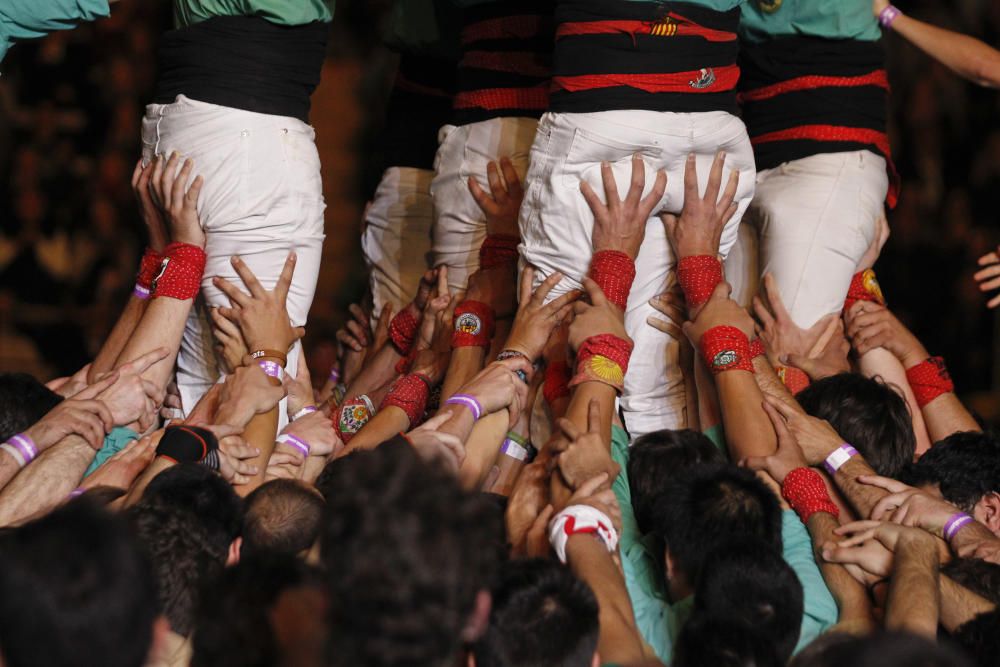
x,y
986,72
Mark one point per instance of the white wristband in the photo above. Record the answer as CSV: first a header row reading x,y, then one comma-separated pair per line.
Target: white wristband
x,y
839,457
308,410
577,519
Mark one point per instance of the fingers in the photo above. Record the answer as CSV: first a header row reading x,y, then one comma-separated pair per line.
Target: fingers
x,y
514,188
358,332
990,271
136,175
594,291
610,186
98,387
166,179
887,483
655,195
285,279
190,202
250,281
433,423
236,296
829,331
589,487
225,327
778,422
990,258
442,281
560,305
527,278
638,181
756,463
594,416
141,364
179,189
593,201
785,410
668,328
856,527
715,178
496,184
763,314
484,201
774,297
690,178
729,194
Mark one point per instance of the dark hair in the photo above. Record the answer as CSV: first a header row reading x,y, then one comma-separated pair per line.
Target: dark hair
x,y
979,637
965,466
748,581
203,493
282,516
722,642
75,590
979,576
23,401
710,504
407,551
659,456
867,413
234,626
887,649
542,616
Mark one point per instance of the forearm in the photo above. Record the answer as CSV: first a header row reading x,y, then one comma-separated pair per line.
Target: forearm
x,y
748,428
883,364
959,605
966,56
482,447
579,406
464,364
863,497
260,432
312,468
946,415
162,325
709,414
8,469
389,421
970,538
47,481
770,384
117,339
913,604
852,599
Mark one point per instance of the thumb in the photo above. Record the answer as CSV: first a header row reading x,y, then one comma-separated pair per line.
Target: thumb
x,y
801,362
755,462
95,389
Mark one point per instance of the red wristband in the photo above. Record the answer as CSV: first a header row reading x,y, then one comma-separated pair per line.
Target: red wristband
x,y
474,325
180,272
498,250
603,358
409,393
556,384
757,348
403,330
794,379
614,272
698,275
864,287
929,379
805,491
726,348
148,268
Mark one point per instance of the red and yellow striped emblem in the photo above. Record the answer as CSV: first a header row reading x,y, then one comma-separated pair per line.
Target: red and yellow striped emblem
x,y
665,27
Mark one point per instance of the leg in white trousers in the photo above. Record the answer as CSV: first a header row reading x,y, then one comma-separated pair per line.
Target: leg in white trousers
x,y
466,151
556,224
397,238
262,198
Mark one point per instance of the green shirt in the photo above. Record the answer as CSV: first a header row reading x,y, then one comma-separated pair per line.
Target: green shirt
x,y
840,19
659,621
281,12
114,442
29,19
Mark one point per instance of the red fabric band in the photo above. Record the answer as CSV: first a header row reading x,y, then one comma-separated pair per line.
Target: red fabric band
x,y
409,393
794,379
517,62
180,272
403,365
403,329
498,250
699,275
474,325
716,80
148,268
929,379
671,26
603,358
864,287
726,348
812,82
805,491
556,384
614,272
535,98
757,349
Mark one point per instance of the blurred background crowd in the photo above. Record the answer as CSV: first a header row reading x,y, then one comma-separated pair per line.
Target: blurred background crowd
x,y
70,107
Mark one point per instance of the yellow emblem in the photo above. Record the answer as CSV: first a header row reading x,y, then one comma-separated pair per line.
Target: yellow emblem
x,y
870,283
605,369
665,27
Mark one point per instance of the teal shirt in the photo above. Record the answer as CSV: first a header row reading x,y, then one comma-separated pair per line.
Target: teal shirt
x,y
658,620
30,19
114,442
840,19
281,12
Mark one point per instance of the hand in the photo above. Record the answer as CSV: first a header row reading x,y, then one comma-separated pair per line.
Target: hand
x,y
178,200
131,398
989,277
497,387
173,407
245,393
600,316
502,208
122,469
68,387
527,505
317,429
434,312
831,358
909,506
868,562
870,325
586,454
234,453
432,361
535,319
815,436
434,445
781,336
719,310
230,345
889,535
494,287
621,225
82,415
150,212
670,304
788,456
299,388
356,332
698,230
596,492
262,316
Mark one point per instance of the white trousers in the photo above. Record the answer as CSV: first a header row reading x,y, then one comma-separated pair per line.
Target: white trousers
x,y
556,224
396,241
466,151
263,197
816,217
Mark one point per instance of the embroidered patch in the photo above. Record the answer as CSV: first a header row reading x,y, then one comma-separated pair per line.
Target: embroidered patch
x,y
469,323
725,358
706,79
353,416
870,283
605,369
665,27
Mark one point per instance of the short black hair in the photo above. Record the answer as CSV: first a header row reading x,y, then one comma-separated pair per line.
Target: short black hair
x,y
281,516
234,626
867,413
722,642
542,616
965,466
655,458
407,552
979,576
75,590
23,401
979,637
710,504
748,581
886,649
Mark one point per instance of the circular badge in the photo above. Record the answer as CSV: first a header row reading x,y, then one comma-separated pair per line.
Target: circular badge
x,y
469,323
725,358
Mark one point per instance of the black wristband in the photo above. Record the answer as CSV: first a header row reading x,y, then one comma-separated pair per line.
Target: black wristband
x,y
186,444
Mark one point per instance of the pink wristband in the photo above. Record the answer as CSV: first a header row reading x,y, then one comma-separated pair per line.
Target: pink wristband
x,y
888,15
955,524
271,368
140,292
839,457
468,401
297,443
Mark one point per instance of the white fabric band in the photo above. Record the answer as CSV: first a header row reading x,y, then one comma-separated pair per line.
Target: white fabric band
x,y
577,519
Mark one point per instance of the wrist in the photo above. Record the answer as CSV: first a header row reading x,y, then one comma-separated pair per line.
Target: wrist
x,y
888,16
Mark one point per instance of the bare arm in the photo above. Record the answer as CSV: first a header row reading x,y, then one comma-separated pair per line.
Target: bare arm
x,y
967,56
959,605
852,598
47,481
914,603
879,362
